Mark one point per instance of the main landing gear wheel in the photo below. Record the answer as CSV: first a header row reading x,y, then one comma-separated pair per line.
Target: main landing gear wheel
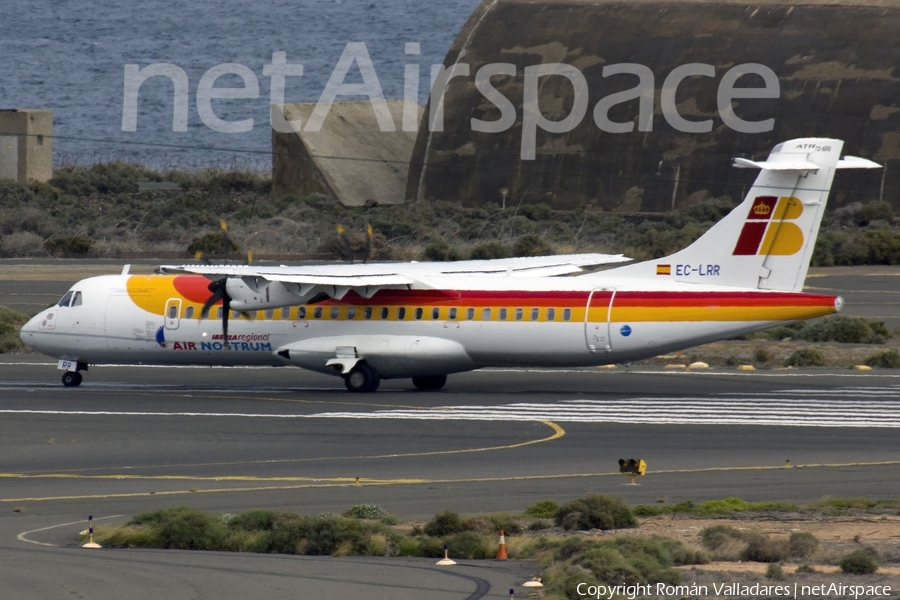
x,y
429,382
362,379
71,379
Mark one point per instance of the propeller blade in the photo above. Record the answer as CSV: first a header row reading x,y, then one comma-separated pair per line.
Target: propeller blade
x,y
341,234
218,293
368,243
226,241
226,308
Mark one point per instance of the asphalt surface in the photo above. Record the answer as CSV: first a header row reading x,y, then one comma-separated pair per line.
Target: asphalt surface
x,y
230,440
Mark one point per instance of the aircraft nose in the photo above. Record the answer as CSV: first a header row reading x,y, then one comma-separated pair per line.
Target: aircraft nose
x,y
29,329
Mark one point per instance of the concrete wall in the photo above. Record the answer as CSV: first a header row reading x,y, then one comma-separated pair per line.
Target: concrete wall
x,y
28,133
837,66
350,158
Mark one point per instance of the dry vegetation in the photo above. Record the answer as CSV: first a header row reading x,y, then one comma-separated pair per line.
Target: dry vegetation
x,y
594,540
100,211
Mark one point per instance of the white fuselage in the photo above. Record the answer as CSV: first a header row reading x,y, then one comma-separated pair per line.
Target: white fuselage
x,y
496,321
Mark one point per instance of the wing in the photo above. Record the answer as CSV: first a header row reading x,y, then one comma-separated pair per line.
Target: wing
x,y
253,287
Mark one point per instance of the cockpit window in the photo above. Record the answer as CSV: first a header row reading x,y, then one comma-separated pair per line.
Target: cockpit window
x,y
76,301
66,299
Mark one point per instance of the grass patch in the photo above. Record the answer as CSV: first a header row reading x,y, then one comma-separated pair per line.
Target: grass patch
x,y
837,329
10,323
545,509
712,507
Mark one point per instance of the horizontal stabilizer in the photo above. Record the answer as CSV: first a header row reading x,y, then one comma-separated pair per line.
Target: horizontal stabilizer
x,y
794,164
855,162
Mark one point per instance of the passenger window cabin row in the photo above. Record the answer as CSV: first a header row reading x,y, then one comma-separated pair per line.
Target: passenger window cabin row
x,y
400,313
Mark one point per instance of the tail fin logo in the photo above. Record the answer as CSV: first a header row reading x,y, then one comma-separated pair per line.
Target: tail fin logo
x,y
769,228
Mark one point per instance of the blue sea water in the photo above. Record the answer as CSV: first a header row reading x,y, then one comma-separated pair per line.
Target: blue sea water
x,y
70,55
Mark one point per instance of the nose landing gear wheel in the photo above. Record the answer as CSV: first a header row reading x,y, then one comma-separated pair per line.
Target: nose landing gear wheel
x,y
429,382
71,379
362,379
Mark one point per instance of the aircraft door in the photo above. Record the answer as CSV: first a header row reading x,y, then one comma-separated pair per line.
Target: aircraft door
x,y
597,316
173,313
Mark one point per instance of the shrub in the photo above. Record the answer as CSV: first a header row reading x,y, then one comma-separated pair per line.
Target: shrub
x,y
440,251
21,243
717,535
597,511
10,324
803,544
536,212
184,528
762,548
531,245
805,357
885,360
76,245
540,525
493,524
471,545
408,547
774,571
544,509
761,355
365,511
859,562
608,565
255,520
876,210
844,330
443,524
212,243
488,251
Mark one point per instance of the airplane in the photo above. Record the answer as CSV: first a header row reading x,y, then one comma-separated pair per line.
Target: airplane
x,y
425,320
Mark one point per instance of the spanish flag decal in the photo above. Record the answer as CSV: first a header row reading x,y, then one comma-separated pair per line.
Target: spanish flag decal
x,y
663,269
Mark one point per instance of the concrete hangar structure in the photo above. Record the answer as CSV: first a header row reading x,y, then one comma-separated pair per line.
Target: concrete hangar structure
x,y
837,64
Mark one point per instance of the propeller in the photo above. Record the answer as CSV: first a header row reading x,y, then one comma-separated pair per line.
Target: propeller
x,y
227,246
342,233
219,292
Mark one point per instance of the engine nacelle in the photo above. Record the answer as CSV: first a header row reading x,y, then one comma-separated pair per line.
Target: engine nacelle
x,y
393,356
256,293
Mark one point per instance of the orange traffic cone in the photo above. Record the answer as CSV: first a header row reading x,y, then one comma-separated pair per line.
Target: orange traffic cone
x,y
501,552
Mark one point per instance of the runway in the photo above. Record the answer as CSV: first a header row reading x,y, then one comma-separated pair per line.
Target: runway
x,y
233,439
493,440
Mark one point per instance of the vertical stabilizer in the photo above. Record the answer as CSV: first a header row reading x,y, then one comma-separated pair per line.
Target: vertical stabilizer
x,y
768,240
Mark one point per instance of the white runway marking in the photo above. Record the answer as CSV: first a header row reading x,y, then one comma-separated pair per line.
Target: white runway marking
x,y
22,536
876,407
